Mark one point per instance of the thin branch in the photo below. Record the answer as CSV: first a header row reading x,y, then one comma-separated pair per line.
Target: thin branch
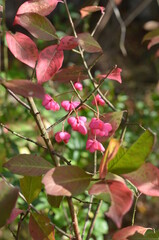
x,y
84,202
22,217
98,23
135,206
36,143
122,27
93,221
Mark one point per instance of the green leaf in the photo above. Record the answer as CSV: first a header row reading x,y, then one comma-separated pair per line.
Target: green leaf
x,y
39,26
66,181
134,157
54,201
150,234
40,228
28,165
8,198
151,34
88,43
30,187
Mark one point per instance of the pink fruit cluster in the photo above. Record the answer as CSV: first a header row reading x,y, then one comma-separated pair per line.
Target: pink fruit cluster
x,y
97,128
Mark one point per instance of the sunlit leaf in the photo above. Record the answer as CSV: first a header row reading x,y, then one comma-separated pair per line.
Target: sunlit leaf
x,y
8,198
42,7
90,9
152,34
66,181
109,154
40,228
49,62
114,75
30,187
25,88
23,48
134,157
88,43
39,26
28,165
118,191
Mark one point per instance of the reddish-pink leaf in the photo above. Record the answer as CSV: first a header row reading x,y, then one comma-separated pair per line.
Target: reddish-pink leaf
x,y
153,42
121,198
68,43
88,43
146,179
42,7
90,9
14,214
66,181
26,88
40,227
23,48
71,73
39,26
49,62
126,232
115,75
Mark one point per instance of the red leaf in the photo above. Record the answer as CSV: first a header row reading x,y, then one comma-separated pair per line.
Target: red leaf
x,y
153,42
68,43
39,26
110,153
14,214
66,181
42,7
23,48
26,88
146,179
115,75
71,73
90,9
126,232
40,227
88,43
49,62
118,191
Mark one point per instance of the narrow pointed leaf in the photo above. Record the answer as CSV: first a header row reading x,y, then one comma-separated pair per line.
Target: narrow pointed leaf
x,y
42,7
134,157
28,165
124,233
71,73
115,75
90,9
25,88
88,43
39,26
49,62
110,153
66,181
23,48
14,214
145,179
68,43
8,198
118,191
153,42
30,187
40,228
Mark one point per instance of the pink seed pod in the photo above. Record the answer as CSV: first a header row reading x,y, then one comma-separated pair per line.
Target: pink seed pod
x,y
93,145
62,137
49,103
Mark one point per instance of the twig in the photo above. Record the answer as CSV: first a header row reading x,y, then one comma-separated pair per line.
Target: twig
x,y
84,202
93,221
22,217
122,27
135,206
98,23
36,143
